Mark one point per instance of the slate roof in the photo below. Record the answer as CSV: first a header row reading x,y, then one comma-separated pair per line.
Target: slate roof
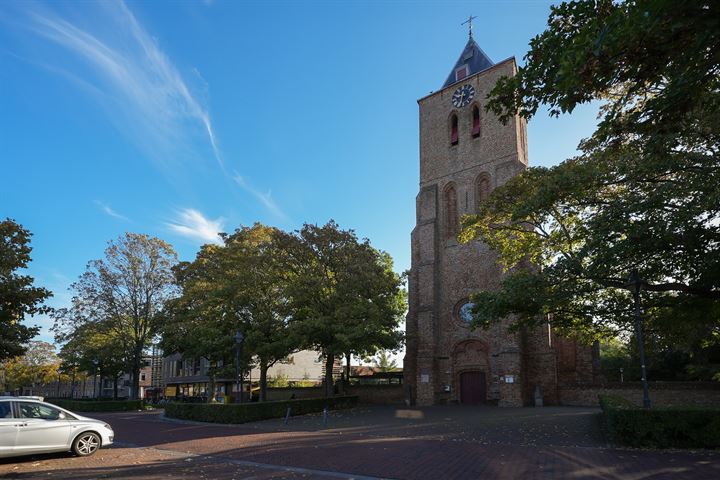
x,y
475,59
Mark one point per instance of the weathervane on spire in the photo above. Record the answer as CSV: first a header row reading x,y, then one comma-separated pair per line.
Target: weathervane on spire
x,y
469,22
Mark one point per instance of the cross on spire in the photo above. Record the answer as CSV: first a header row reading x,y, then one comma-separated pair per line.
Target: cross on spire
x,y
469,22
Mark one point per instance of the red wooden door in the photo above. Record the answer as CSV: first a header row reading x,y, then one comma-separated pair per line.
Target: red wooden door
x,y
472,387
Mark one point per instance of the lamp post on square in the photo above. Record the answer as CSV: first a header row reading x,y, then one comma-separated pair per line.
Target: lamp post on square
x,y
635,284
239,338
95,363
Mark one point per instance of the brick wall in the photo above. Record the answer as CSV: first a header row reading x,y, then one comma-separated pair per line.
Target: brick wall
x,y
368,394
378,394
285,393
662,394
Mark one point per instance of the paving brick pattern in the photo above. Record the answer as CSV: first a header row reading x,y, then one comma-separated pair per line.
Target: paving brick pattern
x,y
385,442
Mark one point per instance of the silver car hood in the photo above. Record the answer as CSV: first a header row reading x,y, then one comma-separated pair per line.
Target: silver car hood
x,y
88,419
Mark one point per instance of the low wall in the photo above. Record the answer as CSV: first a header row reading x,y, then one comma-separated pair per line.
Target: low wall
x,y
285,393
367,394
662,394
377,394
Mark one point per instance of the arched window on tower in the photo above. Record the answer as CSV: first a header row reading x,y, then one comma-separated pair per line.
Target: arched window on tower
x,y
475,121
482,189
454,130
451,211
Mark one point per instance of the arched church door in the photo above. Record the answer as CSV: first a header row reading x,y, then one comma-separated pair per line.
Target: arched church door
x,y
472,387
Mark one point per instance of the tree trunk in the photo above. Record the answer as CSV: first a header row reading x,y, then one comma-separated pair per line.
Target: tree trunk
x,y
211,397
347,368
263,380
72,385
329,364
115,386
136,363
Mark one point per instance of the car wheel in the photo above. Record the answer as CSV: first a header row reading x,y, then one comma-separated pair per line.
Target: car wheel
x,y
86,444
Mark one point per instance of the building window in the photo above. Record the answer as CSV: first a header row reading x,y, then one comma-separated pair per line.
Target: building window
x,y
482,189
142,377
475,121
451,215
453,130
461,73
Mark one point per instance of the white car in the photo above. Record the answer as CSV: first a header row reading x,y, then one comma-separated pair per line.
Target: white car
x,y
29,426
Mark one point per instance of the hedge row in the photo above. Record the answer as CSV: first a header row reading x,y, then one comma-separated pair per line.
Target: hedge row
x,y
250,412
98,406
665,427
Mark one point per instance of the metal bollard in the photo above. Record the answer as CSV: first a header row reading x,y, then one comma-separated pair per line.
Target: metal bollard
x,y
287,416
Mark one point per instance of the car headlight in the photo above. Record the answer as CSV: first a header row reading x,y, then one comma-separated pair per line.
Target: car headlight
x,y
108,427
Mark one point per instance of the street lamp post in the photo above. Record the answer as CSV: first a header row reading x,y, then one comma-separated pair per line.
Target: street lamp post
x,y
635,283
95,372
238,354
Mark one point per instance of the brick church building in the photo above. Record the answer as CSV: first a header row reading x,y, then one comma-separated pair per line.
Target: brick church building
x,y
465,152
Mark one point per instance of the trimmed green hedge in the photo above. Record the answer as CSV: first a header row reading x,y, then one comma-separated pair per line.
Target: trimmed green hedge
x,y
98,406
665,427
251,412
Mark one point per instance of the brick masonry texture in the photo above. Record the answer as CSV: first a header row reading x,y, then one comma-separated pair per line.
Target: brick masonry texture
x,y
440,346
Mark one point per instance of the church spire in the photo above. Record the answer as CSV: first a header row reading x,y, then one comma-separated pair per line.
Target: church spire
x,y
472,59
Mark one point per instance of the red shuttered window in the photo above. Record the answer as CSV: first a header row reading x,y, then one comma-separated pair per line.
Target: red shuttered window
x,y
454,130
476,122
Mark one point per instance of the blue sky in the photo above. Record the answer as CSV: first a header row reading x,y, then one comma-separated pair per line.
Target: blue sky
x,y
182,119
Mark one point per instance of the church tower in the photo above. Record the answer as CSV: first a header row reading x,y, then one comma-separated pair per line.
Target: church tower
x,y
465,152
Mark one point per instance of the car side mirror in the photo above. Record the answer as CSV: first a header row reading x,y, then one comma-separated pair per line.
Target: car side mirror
x,y
61,416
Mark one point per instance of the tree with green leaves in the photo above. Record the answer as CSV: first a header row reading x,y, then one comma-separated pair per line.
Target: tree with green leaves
x,y
239,285
19,298
385,362
93,348
123,295
344,294
643,194
36,367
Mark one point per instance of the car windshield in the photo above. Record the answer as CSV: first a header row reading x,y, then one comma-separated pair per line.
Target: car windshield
x,y
38,410
5,410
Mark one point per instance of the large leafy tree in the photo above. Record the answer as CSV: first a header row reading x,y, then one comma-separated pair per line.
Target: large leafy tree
x,y
123,295
36,367
240,285
18,296
344,294
645,191
94,348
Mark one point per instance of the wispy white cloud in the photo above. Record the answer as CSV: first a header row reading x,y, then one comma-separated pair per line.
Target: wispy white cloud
x,y
143,92
264,198
157,106
106,208
194,225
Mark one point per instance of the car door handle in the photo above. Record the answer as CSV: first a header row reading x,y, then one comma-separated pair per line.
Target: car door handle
x,y
21,424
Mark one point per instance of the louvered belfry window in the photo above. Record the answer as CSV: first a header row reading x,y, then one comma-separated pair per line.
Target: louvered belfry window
x,y
475,121
454,130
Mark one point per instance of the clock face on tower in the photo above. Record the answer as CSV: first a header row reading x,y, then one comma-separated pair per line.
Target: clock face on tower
x,y
463,95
